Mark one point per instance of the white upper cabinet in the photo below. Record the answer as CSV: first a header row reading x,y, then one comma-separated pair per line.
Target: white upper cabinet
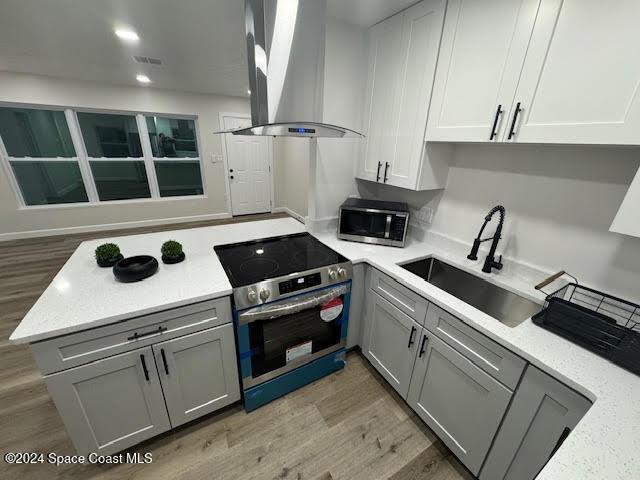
x,y
580,79
483,46
403,53
538,71
384,44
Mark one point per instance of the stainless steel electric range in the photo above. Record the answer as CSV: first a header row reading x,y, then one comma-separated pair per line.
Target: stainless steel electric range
x,y
291,312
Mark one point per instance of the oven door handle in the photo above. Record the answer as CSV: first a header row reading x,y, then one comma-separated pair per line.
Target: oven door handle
x,y
292,305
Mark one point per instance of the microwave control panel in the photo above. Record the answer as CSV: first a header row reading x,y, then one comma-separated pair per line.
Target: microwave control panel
x,y
299,283
398,223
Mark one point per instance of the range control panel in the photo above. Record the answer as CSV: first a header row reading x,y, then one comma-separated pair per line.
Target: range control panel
x,y
299,283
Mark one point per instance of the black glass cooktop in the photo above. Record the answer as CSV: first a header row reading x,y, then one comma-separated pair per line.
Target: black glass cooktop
x,y
251,262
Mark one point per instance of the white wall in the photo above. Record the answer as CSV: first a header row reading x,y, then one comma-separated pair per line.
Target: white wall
x,y
291,174
560,202
35,89
345,76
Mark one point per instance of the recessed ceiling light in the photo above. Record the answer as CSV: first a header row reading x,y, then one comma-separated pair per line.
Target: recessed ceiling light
x,y
143,78
127,35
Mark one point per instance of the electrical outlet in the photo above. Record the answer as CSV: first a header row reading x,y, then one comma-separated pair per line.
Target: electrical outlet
x,y
424,215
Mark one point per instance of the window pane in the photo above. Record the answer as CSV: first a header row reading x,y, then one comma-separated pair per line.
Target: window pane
x,y
120,180
35,133
112,136
179,178
171,137
43,183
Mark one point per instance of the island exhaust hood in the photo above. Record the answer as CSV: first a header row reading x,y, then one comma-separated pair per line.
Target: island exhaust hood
x,y
285,50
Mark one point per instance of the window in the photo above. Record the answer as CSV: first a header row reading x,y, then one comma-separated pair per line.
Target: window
x,y
41,156
62,156
114,150
175,156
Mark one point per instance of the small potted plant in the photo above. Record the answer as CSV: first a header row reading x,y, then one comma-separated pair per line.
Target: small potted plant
x,y
172,252
108,254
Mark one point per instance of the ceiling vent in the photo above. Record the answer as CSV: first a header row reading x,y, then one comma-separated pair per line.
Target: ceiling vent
x,y
147,60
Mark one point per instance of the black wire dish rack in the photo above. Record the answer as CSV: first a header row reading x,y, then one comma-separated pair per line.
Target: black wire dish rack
x,y
604,324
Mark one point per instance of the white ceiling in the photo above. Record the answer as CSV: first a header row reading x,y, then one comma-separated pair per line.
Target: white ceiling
x,y
365,13
200,42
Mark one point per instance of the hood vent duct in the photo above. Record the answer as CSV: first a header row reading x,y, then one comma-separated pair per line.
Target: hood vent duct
x,y
285,50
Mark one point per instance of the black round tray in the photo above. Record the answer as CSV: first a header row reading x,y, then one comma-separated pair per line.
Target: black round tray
x,y
134,269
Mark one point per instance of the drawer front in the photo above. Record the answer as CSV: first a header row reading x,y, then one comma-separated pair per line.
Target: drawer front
x,y
401,297
76,349
491,357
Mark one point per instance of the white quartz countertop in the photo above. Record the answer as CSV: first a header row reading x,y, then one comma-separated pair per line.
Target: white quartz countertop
x,y
605,444
83,295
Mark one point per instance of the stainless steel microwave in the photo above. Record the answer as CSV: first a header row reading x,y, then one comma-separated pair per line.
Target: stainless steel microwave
x,y
374,221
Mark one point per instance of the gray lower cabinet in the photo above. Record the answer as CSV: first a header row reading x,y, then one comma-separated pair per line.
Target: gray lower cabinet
x,y
542,414
390,342
460,402
198,373
111,404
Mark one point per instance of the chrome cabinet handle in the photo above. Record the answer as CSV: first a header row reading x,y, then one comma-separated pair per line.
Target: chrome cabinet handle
x,y
164,361
411,341
513,123
495,122
137,335
422,350
144,368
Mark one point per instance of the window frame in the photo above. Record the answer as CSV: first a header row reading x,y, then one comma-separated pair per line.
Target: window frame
x,y
84,161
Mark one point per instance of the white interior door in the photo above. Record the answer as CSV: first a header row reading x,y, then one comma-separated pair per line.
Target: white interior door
x,y
248,169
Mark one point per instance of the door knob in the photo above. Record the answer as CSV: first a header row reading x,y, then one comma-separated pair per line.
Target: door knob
x,y
231,170
231,177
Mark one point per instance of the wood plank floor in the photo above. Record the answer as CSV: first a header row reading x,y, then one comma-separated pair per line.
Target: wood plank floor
x,y
348,425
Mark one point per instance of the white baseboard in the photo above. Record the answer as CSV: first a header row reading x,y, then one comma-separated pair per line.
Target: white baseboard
x,y
109,226
290,212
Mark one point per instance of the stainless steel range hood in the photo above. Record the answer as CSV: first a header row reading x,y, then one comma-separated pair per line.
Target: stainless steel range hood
x,y
285,49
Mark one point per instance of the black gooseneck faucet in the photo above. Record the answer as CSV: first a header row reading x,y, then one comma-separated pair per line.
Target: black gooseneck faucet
x,y
490,261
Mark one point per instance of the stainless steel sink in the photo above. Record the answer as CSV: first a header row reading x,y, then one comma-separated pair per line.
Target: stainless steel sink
x,y
501,304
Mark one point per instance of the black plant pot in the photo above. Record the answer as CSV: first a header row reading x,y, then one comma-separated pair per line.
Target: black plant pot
x,y
134,269
176,259
110,262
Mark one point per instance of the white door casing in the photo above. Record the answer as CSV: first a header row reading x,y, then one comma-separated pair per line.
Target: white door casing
x,y
248,159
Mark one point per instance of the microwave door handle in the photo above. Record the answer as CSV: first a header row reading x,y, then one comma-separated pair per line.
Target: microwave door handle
x,y
387,229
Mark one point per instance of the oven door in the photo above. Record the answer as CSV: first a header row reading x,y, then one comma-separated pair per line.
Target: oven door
x,y
278,337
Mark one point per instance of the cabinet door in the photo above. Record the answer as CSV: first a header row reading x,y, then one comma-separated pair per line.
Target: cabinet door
x,y
198,372
542,414
390,342
418,53
580,78
110,404
384,44
483,47
460,402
